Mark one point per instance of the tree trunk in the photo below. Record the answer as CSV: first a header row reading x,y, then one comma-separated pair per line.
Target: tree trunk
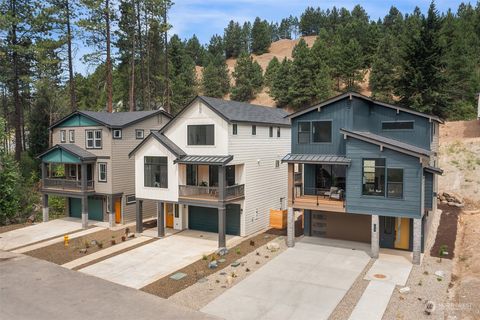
x,y
73,98
140,48
131,98
16,88
109,61
167,80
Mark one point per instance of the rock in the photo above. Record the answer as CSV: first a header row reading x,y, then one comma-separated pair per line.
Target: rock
x,y
404,290
266,237
84,250
178,276
229,280
257,262
444,201
451,203
459,205
273,246
202,280
266,257
213,264
223,273
440,273
235,264
94,242
247,270
221,260
429,307
132,235
222,251
252,243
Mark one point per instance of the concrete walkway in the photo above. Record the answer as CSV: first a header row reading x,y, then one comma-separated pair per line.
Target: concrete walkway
x,y
38,232
385,274
140,266
36,289
304,282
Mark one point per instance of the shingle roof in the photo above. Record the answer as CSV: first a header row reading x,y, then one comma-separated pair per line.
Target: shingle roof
x,y
316,158
214,160
120,119
387,142
169,144
236,111
81,153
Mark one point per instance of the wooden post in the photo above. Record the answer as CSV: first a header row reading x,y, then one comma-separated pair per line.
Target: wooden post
x,y
160,219
111,214
222,212
139,216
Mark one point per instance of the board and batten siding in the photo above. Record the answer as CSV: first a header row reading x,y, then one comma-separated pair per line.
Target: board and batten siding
x,y
429,195
408,207
265,184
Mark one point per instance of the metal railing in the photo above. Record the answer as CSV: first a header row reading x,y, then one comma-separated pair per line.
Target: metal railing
x,y
235,191
325,193
211,193
66,184
297,178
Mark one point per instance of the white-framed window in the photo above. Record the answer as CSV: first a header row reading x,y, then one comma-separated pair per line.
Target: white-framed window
x,y
278,132
235,129
71,136
139,133
270,132
63,136
254,130
93,139
130,199
117,133
277,163
102,172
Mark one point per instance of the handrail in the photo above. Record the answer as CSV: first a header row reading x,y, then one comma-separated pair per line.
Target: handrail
x,y
234,191
66,184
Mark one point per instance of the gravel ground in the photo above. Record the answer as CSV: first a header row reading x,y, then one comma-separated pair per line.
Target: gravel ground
x,y
345,307
200,294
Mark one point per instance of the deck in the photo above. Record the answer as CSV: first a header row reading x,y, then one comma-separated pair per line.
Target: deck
x,y
318,203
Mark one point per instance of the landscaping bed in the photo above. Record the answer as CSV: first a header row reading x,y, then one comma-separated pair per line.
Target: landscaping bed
x,y
166,286
444,245
10,227
79,247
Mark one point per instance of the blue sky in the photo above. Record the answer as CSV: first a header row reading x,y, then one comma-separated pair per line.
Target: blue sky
x,y
207,17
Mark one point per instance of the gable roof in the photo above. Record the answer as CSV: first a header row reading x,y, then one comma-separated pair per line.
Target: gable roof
x,y
73,149
167,143
114,119
387,142
361,96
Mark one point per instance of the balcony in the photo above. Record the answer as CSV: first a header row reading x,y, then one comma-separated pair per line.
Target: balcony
x,y
211,194
66,185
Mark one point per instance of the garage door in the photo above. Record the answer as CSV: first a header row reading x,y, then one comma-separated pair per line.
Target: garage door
x,y
344,226
206,219
95,208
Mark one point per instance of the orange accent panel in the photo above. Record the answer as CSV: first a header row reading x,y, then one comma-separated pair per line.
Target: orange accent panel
x,y
118,210
169,215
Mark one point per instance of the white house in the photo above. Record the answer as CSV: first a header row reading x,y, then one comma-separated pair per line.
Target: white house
x,y
215,167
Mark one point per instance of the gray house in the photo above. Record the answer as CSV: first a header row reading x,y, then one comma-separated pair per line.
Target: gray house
x,y
89,164
363,170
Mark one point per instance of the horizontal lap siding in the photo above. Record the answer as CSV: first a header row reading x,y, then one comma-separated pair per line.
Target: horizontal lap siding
x,y
409,206
428,190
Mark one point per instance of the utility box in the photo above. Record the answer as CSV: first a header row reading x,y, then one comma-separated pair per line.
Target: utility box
x,y
278,219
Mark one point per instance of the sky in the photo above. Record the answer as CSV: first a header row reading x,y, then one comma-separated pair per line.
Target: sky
x,y
205,18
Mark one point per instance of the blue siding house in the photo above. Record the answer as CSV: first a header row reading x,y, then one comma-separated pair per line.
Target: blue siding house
x,y
363,170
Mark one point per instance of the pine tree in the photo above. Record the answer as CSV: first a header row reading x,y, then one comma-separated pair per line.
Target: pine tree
x,y
261,36
384,71
248,78
352,61
215,77
271,71
232,40
310,21
280,86
195,50
216,46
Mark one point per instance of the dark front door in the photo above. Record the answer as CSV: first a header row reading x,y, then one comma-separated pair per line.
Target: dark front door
x,y
323,176
230,175
387,232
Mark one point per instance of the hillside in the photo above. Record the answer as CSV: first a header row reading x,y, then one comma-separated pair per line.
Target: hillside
x,y
280,49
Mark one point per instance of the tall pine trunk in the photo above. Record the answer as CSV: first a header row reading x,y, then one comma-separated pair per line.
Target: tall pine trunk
x,y
131,98
71,85
16,87
167,80
109,61
140,49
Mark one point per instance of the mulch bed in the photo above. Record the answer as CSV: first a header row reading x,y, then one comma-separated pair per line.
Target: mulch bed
x,y
446,232
14,226
59,254
167,287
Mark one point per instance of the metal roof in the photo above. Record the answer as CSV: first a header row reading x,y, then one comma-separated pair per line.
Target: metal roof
x,y
433,170
387,142
316,158
160,137
213,160
81,153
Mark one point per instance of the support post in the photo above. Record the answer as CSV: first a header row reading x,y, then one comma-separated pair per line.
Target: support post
x,y
139,216
111,213
160,219
375,241
307,223
84,177
45,207
222,227
417,241
290,227
84,212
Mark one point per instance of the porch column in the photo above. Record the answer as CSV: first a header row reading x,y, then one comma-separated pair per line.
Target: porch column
x,y
375,241
417,241
111,213
84,212
307,222
291,183
160,219
222,212
84,177
139,216
45,207
290,227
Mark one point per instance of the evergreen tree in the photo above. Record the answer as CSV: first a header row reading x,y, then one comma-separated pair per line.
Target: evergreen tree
x,y
279,88
271,71
310,21
261,36
248,78
246,37
285,29
215,77
384,72
232,40
216,46
195,50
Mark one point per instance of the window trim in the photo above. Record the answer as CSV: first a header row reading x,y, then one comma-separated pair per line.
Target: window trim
x,y
71,136
376,196
278,132
397,129
254,130
201,145
160,164
309,132
117,130
127,202
63,136
313,133
138,131
270,132
93,139
100,164
234,129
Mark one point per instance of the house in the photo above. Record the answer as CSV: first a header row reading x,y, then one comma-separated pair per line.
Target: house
x,y
363,170
89,164
215,167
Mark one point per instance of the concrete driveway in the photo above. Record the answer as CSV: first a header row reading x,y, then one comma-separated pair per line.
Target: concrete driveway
x,y
141,266
40,290
38,232
304,282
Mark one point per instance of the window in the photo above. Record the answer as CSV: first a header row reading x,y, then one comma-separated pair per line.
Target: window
x,y
394,183
254,130
213,176
156,172
93,139
102,172
277,163
270,132
322,131
303,132
139,134
71,136
72,171
192,174
63,136
117,134
230,175
397,125
201,135
278,132
234,127
374,177
130,199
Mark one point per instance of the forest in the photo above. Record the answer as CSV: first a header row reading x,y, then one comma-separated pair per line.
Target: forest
x,y
427,61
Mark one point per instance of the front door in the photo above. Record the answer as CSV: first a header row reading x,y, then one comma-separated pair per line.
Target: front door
x,y
387,232
402,233
169,215
118,210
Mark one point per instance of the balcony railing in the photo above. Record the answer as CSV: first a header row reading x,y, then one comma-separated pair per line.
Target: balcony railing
x,y
297,177
210,193
66,184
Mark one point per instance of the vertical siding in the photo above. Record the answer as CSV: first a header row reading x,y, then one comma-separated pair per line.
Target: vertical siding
x,y
265,184
409,206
